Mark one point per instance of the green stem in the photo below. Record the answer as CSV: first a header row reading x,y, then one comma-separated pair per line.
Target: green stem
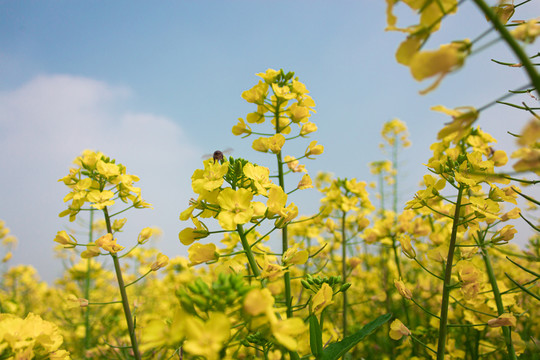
x,y
509,39
443,328
284,237
123,293
87,334
498,301
343,271
247,249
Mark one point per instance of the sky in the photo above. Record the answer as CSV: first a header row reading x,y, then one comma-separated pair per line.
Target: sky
x,y
157,86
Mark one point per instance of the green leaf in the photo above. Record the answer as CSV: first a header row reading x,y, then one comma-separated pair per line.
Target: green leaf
x,y
336,350
315,337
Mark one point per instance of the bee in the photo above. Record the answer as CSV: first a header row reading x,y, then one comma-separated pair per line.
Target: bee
x,y
218,155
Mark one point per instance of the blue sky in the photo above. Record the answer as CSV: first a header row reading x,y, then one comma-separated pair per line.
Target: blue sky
x,y
157,85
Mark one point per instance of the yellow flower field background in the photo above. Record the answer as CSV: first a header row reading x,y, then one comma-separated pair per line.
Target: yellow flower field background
x,y
360,279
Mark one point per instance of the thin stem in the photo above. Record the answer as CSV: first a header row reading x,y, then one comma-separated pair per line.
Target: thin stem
x,y
247,249
443,326
87,334
343,271
123,293
500,307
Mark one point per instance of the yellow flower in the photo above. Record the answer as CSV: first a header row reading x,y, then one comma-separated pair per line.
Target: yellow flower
x,y
269,76
207,338
256,94
527,32
235,207
286,332
30,338
398,330
189,235
322,299
258,302
294,165
100,199
406,246
107,243
275,143
210,178
260,176
283,92
402,289
260,144
504,235
305,182
241,128
293,256
91,251
447,58
63,238
462,116
276,200
506,319
314,149
199,253
161,261
298,113
108,170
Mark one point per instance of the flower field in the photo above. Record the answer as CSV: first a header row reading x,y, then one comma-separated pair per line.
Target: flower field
x,y
363,278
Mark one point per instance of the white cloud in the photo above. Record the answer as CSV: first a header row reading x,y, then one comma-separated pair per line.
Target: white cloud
x,y
47,122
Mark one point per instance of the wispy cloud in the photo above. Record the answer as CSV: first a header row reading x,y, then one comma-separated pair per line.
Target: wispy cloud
x,y
47,122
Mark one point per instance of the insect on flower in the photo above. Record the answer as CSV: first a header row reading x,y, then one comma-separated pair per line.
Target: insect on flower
x,y
218,155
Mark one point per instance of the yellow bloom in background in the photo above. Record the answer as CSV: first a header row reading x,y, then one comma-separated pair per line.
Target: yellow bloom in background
x,y
287,331
199,253
398,330
258,302
322,299
107,243
206,338
31,337
527,32
235,207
